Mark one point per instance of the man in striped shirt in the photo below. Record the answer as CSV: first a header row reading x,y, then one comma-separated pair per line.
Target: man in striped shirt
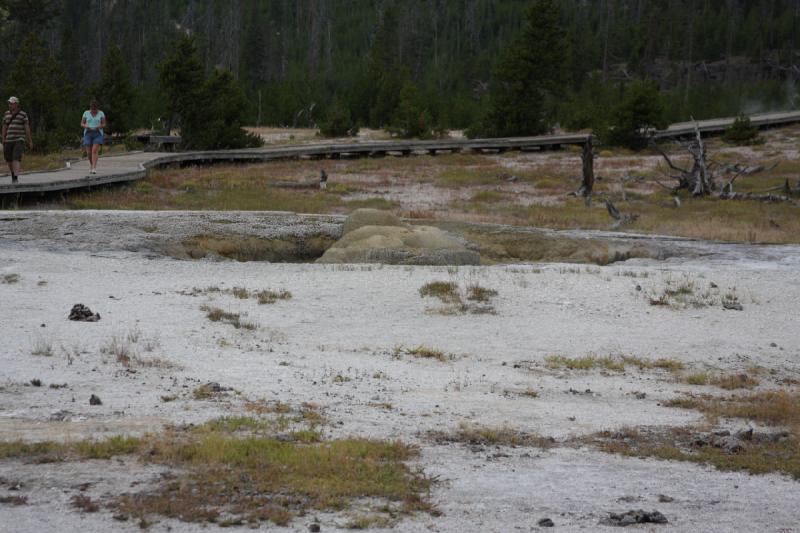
x,y
16,129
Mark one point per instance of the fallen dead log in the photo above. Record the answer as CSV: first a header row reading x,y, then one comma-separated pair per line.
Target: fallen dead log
x,y
620,218
774,198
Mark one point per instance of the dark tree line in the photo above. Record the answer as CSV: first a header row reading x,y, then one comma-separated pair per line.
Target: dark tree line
x,y
413,65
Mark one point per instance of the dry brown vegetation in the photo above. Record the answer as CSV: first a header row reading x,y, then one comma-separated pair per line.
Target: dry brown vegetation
x,y
215,314
474,299
723,381
616,364
758,452
517,189
502,436
423,352
9,279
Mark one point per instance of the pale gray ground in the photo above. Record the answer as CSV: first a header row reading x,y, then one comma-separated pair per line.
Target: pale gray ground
x,y
346,321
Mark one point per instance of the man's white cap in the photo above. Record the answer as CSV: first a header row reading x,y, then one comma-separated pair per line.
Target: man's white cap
x,y
13,100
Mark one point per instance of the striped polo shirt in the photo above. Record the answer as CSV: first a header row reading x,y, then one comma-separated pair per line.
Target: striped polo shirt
x,y
16,127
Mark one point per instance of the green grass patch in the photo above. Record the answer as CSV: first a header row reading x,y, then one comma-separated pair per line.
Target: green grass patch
x,y
490,197
236,470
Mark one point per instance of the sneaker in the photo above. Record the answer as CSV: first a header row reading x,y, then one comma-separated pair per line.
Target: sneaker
x,y
93,171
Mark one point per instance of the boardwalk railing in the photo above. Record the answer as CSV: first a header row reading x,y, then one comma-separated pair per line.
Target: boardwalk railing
x,y
133,166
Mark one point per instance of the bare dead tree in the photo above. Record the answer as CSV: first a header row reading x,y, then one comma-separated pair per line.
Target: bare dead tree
x,y
700,179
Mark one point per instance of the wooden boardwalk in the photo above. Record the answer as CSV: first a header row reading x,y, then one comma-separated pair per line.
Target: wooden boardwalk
x,y
133,165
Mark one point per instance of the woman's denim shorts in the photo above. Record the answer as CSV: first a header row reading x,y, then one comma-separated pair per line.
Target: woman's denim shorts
x,y
92,137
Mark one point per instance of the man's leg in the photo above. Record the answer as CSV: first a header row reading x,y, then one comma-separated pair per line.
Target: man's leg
x,y
9,157
17,159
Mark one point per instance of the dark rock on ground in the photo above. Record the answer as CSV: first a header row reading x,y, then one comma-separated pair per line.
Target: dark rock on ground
x,y
82,313
634,517
95,400
546,522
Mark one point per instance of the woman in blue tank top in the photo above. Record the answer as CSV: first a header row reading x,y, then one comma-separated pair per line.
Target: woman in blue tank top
x,y
93,122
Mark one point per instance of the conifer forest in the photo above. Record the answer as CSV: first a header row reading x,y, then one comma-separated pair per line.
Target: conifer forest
x,y
370,62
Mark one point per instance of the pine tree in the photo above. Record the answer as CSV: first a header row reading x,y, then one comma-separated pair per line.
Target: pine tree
x,y
640,110
40,83
527,76
338,122
115,91
213,121
411,119
181,77
384,72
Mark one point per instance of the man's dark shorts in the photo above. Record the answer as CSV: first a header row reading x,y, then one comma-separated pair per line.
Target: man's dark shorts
x,y
12,150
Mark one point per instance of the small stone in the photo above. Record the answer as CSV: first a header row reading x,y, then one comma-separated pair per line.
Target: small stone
x,y
314,528
728,444
95,400
43,326
663,498
546,522
82,313
773,345
634,517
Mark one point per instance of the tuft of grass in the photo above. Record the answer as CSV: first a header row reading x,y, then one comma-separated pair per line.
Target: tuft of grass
x,y
9,279
370,521
208,391
241,293
685,293
735,381
672,365
215,314
584,363
36,382
423,352
84,503
453,297
697,379
14,500
120,348
270,297
234,424
446,291
502,436
42,347
477,293
727,381
527,393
